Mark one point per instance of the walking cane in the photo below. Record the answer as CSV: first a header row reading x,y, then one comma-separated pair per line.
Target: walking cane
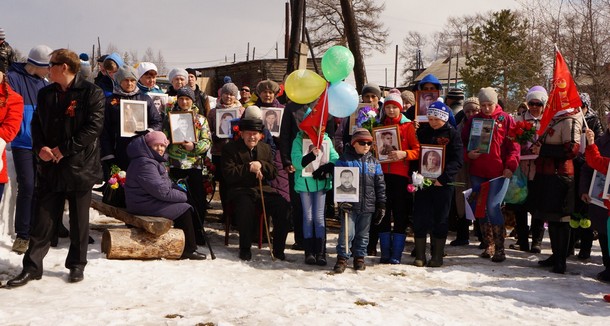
x,y
260,187
345,207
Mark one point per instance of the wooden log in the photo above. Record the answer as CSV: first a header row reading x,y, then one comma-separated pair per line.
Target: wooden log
x,y
132,243
152,224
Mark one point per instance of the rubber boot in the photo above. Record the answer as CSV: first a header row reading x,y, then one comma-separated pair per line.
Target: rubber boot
x,y
522,230
420,252
488,237
586,243
310,258
462,235
560,249
438,251
385,242
537,230
321,252
398,245
499,233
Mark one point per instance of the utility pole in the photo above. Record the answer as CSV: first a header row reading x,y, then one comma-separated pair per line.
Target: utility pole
x,y
296,8
353,40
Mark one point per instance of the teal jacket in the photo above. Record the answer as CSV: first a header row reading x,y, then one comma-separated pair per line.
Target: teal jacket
x,y
309,184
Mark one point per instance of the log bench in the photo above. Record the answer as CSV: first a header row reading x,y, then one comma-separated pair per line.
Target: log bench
x,y
150,237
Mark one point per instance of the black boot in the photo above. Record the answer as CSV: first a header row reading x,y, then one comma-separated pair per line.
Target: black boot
x,y
310,258
560,241
586,242
420,252
462,235
320,251
537,230
438,250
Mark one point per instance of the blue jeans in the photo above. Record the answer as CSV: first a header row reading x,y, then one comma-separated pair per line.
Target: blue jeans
x,y
313,214
497,191
25,168
358,225
1,190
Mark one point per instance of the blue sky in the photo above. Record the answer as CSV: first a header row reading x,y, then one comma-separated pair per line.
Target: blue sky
x,y
201,33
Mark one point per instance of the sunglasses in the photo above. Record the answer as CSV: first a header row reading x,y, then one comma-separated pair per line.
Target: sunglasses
x,y
367,143
534,103
245,90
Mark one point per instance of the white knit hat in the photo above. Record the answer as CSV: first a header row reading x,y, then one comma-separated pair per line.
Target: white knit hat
x,y
40,55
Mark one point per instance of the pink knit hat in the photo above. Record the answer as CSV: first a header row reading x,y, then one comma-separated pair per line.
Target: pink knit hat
x,y
155,137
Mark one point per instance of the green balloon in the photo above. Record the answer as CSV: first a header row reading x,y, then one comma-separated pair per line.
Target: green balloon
x,y
337,63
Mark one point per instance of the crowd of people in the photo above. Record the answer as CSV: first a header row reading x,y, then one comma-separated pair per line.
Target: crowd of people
x,y
67,133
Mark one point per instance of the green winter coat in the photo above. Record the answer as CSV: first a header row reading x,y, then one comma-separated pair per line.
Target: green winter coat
x,y
309,184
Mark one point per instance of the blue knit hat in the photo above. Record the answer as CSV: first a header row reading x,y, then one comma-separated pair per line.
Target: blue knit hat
x,y
439,110
116,58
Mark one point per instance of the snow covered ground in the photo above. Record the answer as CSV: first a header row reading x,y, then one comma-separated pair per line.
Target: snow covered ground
x,y
468,290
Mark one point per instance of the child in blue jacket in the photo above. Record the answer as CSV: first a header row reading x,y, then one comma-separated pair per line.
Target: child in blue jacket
x,y
371,203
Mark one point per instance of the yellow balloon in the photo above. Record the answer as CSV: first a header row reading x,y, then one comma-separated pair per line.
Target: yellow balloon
x,y
304,86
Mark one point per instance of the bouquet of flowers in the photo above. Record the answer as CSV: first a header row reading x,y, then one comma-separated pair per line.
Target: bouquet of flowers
x,y
114,193
208,175
117,177
523,132
367,119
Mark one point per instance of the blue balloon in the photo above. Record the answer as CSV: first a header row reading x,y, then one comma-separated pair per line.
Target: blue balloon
x,y
342,99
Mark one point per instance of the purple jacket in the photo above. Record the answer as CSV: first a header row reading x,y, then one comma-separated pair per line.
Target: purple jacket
x,y
148,188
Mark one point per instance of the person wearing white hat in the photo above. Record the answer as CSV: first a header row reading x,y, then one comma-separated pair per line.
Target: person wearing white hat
x,y
27,78
147,78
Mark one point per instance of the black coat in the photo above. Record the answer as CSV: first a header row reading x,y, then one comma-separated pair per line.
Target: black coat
x,y
448,136
236,168
76,137
111,140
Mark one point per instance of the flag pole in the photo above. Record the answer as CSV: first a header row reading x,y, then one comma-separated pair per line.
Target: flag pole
x,y
324,105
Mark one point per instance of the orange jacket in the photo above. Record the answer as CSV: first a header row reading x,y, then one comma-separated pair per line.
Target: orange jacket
x,y
11,113
408,143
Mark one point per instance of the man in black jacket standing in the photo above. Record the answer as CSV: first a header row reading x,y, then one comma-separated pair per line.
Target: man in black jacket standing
x,y
65,131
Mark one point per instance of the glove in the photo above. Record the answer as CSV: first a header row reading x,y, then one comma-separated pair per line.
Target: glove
x,y
346,207
322,171
379,213
308,159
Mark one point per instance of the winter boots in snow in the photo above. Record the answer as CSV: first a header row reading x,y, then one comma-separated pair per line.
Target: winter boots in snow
x,y
398,245
499,233
340,265
420,252
385,243
488,238
438,250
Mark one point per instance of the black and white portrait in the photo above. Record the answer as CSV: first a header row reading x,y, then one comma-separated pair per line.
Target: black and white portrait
x,y
272,118
423,101
133,117
432,161
386,141
321,159
346,182
182,127
223,122
159,102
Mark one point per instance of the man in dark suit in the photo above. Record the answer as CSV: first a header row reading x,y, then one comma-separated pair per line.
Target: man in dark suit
x,y
245,162
65,131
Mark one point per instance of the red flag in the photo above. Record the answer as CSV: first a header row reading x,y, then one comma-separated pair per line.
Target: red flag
x,y
564,94
314,125
481,205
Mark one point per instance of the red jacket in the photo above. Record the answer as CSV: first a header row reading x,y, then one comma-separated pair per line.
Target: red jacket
x,y
11,113
503,152
599,163
408,143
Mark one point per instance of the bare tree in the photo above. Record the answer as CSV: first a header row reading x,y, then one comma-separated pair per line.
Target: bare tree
x,y
111,48
412,46
149,55
160,63
326,25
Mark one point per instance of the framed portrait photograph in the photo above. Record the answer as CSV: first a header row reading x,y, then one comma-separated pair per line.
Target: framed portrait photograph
x,y
321,159
134,117
160,102
272,119
423,99
223,122
481,133
386,140
596,189
182,127
346,181
432,160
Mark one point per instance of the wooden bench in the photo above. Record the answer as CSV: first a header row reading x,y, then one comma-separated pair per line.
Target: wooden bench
x,y
150,237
